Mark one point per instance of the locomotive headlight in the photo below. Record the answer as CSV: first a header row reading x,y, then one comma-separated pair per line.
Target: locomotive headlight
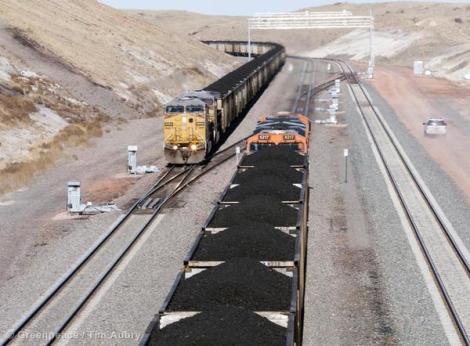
x,y
175,147
193,147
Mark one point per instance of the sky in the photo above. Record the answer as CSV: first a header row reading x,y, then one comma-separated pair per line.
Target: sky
x,y
237,7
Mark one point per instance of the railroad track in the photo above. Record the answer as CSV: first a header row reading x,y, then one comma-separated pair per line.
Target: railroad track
x,y
60,306
446,255
307,85
289,316
304,91
57,309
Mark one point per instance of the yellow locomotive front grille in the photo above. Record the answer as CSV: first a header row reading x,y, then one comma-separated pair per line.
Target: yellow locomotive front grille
x,y
184,129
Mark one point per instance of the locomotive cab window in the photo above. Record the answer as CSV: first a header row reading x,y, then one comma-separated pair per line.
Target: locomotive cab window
x,y
194,108
175,109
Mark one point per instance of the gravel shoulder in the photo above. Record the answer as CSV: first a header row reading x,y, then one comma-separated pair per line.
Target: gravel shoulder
x,y
414,99
450,194
38,241
362,275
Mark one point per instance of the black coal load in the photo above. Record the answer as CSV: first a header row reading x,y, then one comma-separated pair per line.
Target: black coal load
x,y
284,172
273,155
221,326
241,282
269,164
257,241
256,208
265,186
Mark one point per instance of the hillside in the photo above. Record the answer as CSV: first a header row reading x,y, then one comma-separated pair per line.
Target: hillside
x,y
436,33
116,50
71,70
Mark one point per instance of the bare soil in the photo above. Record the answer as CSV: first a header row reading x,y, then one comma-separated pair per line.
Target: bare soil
x,y
437,33
109,189
415,99
28,215
87,64
114,49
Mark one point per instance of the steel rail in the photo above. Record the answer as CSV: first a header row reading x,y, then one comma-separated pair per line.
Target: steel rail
x,y
163,181
306,111
300,87
182,185
438,214
76,267
222,151
439,218
307,79
113,265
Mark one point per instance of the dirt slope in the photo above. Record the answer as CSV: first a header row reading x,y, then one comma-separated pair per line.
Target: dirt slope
x,y
136,59
75,69
437,33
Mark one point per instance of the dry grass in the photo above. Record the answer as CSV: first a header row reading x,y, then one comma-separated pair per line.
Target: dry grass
x,y
18,99
108,46
45,155
15,110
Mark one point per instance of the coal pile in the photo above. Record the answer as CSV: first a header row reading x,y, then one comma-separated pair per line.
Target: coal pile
x,y
233,79
226,296
274,156
257,241
269,164
242,282
256,208
284,171
265,186
222,325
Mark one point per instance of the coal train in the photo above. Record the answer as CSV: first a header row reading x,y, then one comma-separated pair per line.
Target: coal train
x,y
243,280
196,121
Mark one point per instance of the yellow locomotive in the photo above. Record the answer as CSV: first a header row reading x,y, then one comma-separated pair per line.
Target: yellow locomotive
x,y
191,127
195,121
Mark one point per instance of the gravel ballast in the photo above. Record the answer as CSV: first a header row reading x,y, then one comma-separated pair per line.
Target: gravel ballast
x,y
241,282
254,240
222,325
411,312
362,277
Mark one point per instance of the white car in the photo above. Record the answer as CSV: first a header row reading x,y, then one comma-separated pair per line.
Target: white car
x,y
435,126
